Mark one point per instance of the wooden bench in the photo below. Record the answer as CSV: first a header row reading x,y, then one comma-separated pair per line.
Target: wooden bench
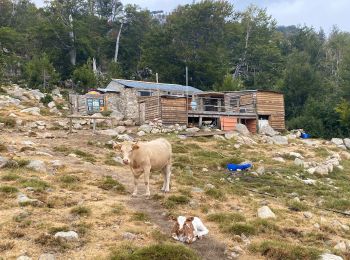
x,y
87,117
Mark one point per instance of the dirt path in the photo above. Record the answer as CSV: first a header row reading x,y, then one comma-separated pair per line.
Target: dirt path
x,y
207,248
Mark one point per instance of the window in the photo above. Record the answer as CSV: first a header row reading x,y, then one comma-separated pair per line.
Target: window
x,y
234,102
145,93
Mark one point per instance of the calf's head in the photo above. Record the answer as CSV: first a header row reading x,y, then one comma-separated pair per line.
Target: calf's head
x,y
126,149
183,229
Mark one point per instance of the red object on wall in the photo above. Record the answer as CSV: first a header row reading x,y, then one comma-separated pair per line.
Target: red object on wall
x,y
228,123
251,125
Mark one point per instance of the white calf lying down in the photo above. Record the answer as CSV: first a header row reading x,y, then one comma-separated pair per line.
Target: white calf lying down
x,y
187,230
144,157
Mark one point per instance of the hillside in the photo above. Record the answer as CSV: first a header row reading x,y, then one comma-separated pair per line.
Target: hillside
x,y
52,181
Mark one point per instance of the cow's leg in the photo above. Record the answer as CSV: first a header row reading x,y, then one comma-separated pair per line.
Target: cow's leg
x,y
136,178
164,171
167,177
146,174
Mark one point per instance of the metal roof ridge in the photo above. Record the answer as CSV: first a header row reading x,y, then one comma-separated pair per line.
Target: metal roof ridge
x,y
150,82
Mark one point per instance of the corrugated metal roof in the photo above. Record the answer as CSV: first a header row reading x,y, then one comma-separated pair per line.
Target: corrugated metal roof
x,y
113,86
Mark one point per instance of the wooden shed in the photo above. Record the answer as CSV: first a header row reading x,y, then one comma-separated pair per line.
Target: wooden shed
x,y
170,108
270,107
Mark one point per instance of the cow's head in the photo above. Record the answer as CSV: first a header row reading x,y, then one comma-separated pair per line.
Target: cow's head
x,y
126,148
183,229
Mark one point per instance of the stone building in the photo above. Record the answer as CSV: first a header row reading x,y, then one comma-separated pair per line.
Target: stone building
x,y
123,97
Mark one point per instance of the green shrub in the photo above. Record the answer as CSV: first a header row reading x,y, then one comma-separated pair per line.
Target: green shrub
x,y
164,251
69,179
117,209
225,217
46,99
36,184
276,250
239,229
8,189
297,206
109,183
10,177
215,193
175,200
106,113
8,121
81,211
140,216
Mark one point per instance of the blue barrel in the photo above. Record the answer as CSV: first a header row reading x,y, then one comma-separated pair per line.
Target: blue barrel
x,y
305,135
235,167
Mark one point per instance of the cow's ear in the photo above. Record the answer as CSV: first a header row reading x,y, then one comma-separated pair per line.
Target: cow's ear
x,y
190,219
135,146
117,146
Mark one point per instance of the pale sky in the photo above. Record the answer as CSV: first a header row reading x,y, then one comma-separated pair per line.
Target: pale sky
x,y
316,13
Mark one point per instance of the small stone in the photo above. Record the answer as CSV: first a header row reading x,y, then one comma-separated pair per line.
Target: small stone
x,y
341,246
69,236
321,170
24,257
242,129
229,135
327,256
197,190
296,199
205,170
37,165
47,257
299,162
337,141
219,137
316,225
307,214
192,130
141,133
129,236
265,212
210,186
279,159
3,162
261,170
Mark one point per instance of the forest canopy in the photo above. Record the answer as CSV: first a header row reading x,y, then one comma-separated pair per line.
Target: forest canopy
x,y
81,44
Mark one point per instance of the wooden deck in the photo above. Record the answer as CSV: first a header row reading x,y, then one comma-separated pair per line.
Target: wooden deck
x,y
217,114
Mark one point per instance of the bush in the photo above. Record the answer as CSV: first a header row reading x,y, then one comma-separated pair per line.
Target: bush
x,y
36,184
106,113
175,200
8,189
225,217
81,211
297,206
40,73
84,77
46,99
8,121
164,251
140,216
110,184
215,193
280,250
239,229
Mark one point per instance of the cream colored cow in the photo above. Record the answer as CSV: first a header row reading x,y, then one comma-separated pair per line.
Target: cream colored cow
x,y
144,157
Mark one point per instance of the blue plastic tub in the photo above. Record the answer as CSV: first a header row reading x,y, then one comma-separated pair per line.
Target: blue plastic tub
x,y
234,167
304,136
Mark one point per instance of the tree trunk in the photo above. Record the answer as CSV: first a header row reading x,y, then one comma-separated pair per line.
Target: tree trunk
x,y
94,69
117,44
72,52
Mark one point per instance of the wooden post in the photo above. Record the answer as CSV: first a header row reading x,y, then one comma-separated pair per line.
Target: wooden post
x,y
94,125
70,125
200,121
